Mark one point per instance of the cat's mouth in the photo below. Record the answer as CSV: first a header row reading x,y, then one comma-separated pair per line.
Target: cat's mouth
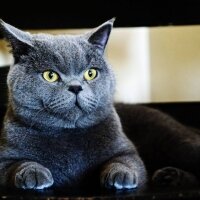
x,y
77,104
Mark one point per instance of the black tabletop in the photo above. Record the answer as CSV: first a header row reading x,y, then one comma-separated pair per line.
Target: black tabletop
x,y
150,193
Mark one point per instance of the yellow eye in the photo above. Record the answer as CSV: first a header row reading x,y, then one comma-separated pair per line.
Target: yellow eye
x,y
90,74
50,76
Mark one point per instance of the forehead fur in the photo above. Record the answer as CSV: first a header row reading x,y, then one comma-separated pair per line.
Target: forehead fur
x,y
75,50
62,52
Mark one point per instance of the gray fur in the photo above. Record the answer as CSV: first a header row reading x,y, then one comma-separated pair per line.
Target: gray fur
x,y
53,136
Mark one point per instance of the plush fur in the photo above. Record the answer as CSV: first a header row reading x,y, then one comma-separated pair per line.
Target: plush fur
x,y
54,136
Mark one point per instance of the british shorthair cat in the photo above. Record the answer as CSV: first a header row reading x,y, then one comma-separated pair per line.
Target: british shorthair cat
x,y
61,128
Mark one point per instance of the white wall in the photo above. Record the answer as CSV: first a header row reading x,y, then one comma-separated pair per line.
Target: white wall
x,y
5,57
128,52
175,63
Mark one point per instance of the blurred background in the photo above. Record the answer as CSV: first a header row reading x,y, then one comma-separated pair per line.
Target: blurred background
x,y
157,64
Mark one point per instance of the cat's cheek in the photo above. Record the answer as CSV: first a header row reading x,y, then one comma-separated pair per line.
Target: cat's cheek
x,y
59,101
87,101
106,88
23,95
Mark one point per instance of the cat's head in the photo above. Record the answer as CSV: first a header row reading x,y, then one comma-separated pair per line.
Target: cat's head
x,y
60,80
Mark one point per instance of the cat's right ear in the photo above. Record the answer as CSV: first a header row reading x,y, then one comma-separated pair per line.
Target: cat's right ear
x,y
99,36
19,41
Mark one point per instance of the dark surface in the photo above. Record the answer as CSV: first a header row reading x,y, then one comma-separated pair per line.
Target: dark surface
x,y
85,14
185,112
100,194
3,86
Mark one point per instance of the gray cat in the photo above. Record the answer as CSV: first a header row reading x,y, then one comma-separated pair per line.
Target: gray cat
x,y
61,128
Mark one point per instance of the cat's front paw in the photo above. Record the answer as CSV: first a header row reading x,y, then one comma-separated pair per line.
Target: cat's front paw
x,y
174,177
168,176
31,175
118,176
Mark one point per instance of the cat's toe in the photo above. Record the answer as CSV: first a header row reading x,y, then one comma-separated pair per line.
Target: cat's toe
x,y
33,176
119,179
124,180
168,176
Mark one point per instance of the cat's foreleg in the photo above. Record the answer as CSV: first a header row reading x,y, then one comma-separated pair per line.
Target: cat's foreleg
x,y
25,175
124,172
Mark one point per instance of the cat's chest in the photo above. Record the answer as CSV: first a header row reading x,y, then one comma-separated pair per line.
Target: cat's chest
x,y
71,148
69,156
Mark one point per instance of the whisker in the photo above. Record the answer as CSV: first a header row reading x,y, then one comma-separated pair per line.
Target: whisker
x,y
55,102
60,104
91,100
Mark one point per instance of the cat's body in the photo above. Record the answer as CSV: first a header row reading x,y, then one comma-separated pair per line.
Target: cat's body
x,y
74,156
170,150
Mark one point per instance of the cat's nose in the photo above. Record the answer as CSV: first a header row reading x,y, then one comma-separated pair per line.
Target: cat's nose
x,y
75,88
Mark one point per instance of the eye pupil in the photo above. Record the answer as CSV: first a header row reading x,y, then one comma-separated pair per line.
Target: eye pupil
x,y
51,75
90,73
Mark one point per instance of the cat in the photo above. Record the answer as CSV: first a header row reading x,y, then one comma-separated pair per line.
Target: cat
x,y
61,128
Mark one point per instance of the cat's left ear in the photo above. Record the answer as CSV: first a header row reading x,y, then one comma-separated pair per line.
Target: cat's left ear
x,y
99,37
20,41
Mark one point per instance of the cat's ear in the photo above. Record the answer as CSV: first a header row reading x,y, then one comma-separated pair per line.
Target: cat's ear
x,y
19,41
99,37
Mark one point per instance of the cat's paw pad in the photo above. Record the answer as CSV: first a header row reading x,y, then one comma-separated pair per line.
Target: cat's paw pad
x,y
119,178
33,176
168,177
